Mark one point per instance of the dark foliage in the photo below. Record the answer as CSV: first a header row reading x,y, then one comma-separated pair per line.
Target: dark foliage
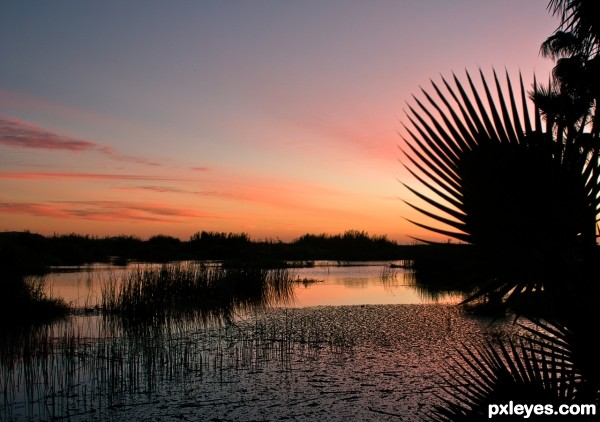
x,y
524,194
520,191
33,253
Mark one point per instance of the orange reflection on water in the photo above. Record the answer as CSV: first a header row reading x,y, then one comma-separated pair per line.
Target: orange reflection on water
x,y
360,284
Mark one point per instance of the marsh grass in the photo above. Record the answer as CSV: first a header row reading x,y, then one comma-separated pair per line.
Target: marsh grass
x,y
56,372
389,274
26,300
187,288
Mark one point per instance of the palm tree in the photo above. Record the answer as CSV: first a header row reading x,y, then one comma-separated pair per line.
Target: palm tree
x,y
516,186
579,17
572,96
520,182
521,191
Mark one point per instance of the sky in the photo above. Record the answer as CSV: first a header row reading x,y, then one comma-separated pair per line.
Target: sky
x,y
274,117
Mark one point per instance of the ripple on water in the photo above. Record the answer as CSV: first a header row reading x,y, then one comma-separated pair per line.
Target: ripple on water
x,y
371,362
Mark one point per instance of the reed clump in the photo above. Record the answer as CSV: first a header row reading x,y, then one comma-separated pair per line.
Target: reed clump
x,y
26,300
190,287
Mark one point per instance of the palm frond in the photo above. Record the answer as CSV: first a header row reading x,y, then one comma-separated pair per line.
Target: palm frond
x,y
570,338
521,189
580,17
484,374
560,44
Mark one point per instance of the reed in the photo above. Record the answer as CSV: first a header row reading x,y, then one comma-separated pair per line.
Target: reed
x,y
194,288
56,372
26,300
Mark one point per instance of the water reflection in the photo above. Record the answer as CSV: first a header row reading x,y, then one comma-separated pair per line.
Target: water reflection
x,y
150,370
339,283
145,332
194,290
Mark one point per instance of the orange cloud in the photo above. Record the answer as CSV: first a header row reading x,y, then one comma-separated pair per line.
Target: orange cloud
x,y
103,211
171,189
99,176
160,189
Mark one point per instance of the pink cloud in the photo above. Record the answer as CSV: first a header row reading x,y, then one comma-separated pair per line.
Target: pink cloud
x,y
112,153
290,195
14,133
160,189
18,134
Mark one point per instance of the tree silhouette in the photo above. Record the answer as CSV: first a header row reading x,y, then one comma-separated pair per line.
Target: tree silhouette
x,y
571,98
514,185
523,190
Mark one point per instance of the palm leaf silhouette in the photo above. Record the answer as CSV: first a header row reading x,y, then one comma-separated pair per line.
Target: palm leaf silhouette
x,y
572,340
484,374
551,362
498,176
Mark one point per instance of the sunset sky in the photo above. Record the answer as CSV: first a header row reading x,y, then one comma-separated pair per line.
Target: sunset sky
x,y
274,118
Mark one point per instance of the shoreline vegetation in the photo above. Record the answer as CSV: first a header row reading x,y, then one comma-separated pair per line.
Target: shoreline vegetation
x,y
32,253
256,266
246,273
518,191
194,289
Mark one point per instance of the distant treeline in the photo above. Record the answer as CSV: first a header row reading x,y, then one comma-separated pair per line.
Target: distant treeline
x,y
30,252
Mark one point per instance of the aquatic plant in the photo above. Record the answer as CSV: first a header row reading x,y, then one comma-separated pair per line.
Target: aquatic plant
x,y
59,371
155,293
26,300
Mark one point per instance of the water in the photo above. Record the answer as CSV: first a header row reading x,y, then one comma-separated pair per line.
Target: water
x,y
347,283
359,344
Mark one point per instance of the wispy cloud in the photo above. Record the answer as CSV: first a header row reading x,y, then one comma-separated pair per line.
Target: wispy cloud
x,y
171,189
115,155
95,176
160,189
104,211
18,134
14,133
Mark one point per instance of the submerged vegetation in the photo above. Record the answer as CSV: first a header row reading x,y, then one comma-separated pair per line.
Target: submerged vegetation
x,y
55,373
282,362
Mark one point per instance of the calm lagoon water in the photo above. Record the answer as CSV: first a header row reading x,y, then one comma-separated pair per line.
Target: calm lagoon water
x,y
359,344
346,283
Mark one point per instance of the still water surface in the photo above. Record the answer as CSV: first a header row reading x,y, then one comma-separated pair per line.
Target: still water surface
x,y
337,284
358,344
